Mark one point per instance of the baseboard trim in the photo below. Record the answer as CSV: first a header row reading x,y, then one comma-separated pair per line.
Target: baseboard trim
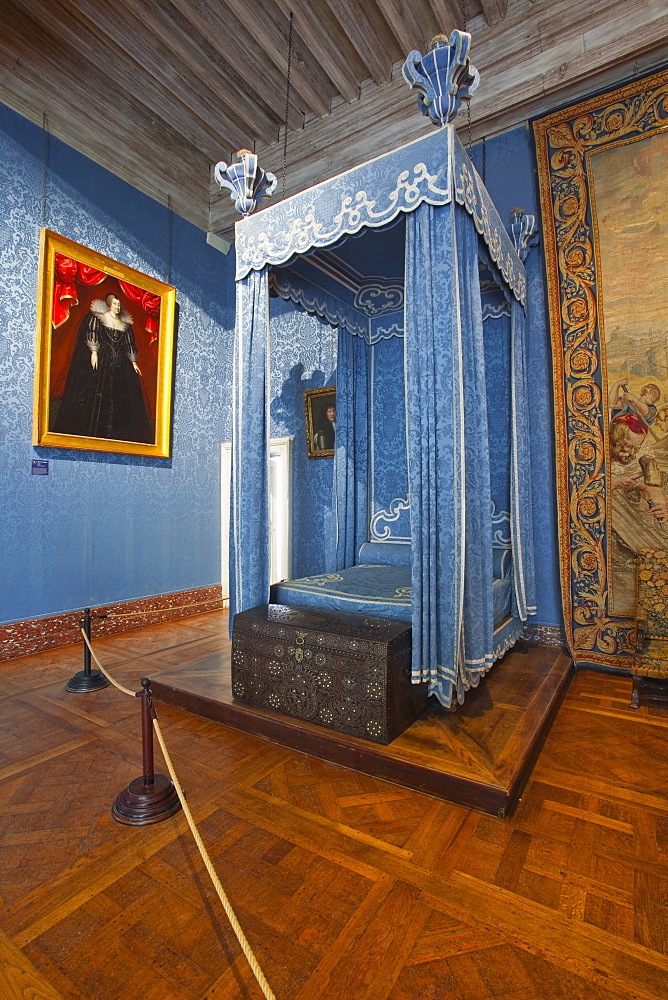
x,y
39,634
544,635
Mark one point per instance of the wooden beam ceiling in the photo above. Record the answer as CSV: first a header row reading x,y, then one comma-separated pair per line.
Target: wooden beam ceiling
x,y
158,91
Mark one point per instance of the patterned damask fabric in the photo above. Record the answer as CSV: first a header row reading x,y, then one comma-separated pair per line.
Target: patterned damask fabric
x,y
372,194
478,611
427,171
389,513
521,502
364,590
103,528
471,193
498,390
448,463
304,356
385,554
351,459
293,287
249,510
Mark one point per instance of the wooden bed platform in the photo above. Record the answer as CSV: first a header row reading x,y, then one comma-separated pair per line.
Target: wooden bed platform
x,y
479,756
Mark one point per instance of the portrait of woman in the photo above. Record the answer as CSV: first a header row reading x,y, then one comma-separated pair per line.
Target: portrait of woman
x,y
103,394
103,364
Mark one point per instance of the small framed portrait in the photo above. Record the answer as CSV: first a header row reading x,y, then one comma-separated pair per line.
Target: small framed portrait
x,y
320,412
105,334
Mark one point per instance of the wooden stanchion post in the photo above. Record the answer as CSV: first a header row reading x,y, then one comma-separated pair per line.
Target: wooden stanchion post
x,y
87,679
152,797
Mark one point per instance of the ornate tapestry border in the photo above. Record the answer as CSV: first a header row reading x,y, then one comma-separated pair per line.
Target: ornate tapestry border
x,y
564,141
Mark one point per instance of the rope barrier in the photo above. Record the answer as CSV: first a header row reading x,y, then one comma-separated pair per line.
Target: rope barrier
x,y
103,671
227,906
231,916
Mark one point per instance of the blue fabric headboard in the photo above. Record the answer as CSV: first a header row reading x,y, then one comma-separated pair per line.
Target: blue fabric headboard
x,y
384,554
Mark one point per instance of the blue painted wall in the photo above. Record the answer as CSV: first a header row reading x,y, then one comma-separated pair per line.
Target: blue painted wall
x,y
104,528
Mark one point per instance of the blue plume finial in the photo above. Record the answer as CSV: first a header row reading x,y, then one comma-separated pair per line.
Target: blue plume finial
x,y
444,77
246,181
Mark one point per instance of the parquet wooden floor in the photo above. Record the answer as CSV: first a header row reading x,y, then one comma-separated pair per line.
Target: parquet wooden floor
x,y
478,756
348,887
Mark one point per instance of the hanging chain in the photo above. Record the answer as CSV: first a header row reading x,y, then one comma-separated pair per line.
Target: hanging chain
x,y
464,13
468,122
287,107
45,158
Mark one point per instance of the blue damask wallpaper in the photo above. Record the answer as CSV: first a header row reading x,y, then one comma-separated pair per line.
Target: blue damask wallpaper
x,y
389,478
101,528
303,356
508,168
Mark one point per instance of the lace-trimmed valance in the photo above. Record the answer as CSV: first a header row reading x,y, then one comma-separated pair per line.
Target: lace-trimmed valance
x,y
431,169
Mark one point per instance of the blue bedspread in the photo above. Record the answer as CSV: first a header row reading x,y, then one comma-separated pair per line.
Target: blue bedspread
x,y
367,590
364,590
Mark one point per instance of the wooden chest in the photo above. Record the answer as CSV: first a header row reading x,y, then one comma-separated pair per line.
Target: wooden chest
x,y
346,672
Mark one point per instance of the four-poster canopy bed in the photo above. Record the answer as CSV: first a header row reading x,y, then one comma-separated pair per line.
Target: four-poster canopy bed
x,y
436,554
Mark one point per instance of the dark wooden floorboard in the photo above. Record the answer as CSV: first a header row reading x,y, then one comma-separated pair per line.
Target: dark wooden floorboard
x,y
346,885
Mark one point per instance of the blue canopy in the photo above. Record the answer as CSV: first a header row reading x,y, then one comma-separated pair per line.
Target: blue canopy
x,y
448,214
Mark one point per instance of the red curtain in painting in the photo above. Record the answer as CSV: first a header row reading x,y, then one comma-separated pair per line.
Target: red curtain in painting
x,y
69,271
150,303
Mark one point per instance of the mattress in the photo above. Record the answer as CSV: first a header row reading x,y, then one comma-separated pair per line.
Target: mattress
x,y
364,590
368,590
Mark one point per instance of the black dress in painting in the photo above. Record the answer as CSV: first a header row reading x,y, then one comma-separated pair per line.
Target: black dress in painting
x,y
106,401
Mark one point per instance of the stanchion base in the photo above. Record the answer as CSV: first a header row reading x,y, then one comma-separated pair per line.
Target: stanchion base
x,y
86,682
140,804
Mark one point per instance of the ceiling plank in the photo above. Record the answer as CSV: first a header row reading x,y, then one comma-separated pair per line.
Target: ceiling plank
x,y
371,37
411,31
156,60
494,10
270,31
448,14
164,47
113,60
112,130
322,34
232,41
529,82
165,22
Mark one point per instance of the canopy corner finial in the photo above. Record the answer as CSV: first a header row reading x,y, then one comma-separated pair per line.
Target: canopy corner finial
x,y
247,182
444,76
522,232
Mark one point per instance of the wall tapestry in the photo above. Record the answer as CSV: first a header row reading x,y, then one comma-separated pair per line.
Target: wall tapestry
x,y
602,167
104,353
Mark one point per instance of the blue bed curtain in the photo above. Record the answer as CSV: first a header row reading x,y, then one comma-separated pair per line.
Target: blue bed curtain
x,y
448,459
249,508
350,460
521,518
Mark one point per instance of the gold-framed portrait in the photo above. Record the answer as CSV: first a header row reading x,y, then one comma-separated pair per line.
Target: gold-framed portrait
x,y
105,336
320,416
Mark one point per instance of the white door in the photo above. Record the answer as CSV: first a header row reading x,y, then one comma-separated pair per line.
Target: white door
x,y
280,504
